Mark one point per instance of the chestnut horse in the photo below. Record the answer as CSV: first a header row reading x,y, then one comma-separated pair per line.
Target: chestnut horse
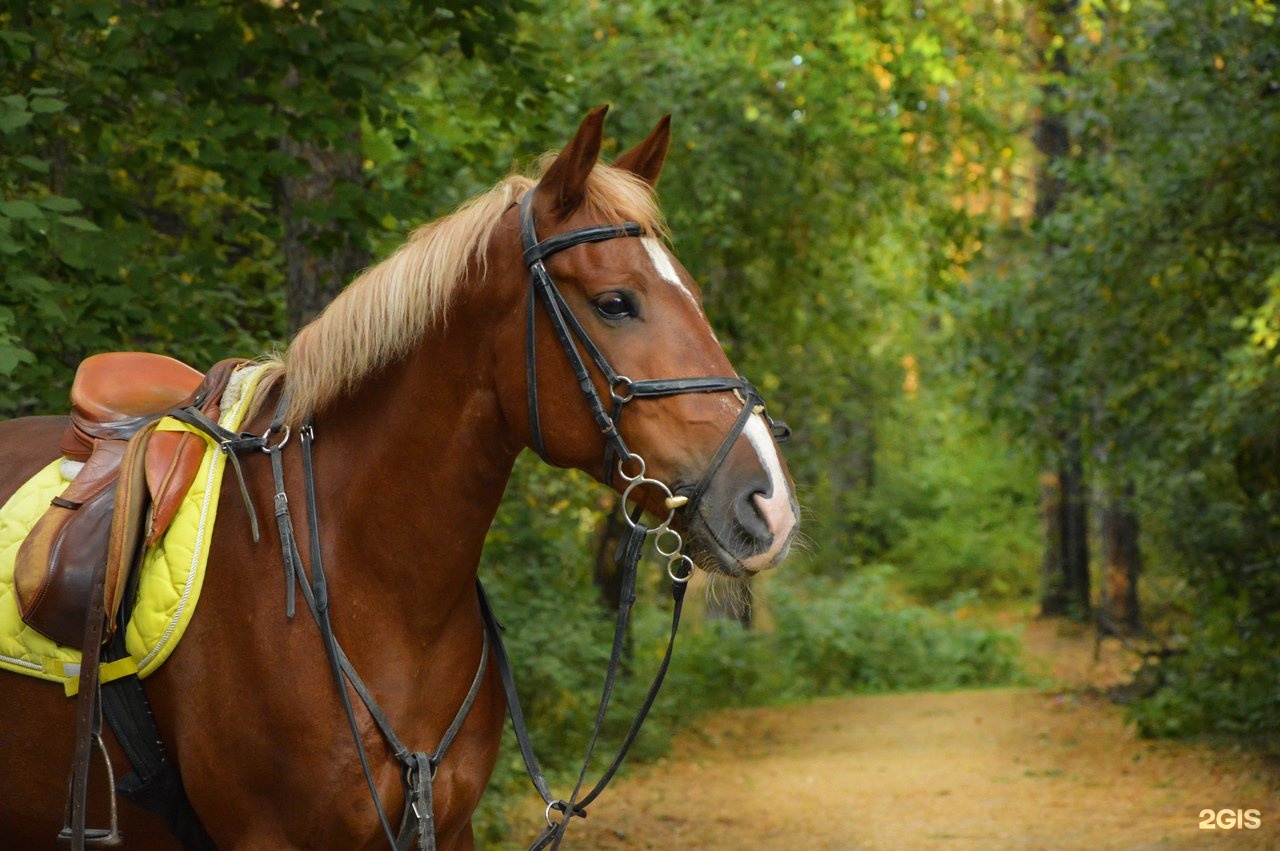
x,y
416,380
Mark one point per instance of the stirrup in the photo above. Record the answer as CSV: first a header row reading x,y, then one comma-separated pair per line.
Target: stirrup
x,y
95,836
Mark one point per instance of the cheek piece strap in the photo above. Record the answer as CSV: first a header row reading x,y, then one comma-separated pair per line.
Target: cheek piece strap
x,y
571,335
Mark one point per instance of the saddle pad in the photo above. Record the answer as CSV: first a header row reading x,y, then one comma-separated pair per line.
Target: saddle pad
x,y
171,572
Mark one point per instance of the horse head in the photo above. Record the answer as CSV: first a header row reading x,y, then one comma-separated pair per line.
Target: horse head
x,y
618,326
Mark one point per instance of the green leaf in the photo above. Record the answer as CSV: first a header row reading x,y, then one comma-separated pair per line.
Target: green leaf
x,y
60,204
45,104
78,223
11,358
31,284
19,210
13,120
34,163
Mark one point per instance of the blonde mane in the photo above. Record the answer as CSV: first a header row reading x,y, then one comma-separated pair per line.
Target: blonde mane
x,y
392,305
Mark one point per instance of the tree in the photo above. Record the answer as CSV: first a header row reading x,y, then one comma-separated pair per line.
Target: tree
x,y
1165,259
166,170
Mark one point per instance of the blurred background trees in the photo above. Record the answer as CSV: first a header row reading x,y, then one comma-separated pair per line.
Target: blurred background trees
x,y
1011,267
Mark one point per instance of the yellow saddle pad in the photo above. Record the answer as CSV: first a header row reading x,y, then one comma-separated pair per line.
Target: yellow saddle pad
x,y
171,572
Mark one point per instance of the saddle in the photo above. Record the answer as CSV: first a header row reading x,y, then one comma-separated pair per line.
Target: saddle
x,y
131,484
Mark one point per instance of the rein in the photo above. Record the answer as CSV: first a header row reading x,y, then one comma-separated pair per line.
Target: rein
x,y
617,458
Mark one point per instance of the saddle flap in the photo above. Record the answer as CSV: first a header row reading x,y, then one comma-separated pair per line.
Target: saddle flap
x,y
117,401
173,458
53,570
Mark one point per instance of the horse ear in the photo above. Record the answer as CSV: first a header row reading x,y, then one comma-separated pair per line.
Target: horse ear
x,y
645,160
565,181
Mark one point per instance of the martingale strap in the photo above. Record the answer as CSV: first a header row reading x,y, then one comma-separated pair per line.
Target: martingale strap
x,y
418,769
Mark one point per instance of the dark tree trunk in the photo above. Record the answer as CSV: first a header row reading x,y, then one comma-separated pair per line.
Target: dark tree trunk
x,y
1064,505
1064,509
1075,533
605,573
1053,576
322,254
1121,564
1052,24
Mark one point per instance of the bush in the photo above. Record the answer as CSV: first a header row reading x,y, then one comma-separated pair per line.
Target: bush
x,y
1226,684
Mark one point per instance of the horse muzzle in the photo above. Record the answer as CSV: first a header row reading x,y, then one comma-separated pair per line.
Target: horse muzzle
x,y
744,525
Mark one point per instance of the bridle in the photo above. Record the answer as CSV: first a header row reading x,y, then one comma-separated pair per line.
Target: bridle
x,y
622,390
630,467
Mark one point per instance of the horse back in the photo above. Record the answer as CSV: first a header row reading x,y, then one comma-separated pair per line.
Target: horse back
x,y
27,445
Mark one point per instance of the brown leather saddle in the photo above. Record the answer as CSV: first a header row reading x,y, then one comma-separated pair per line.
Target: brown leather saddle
x,y
131,485
73,566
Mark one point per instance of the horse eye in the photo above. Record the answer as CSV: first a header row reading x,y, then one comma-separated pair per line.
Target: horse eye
x,y
614,306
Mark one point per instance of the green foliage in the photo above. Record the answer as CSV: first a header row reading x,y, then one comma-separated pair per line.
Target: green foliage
x,y
145,149
1226,684
1141,318
955,504
857,635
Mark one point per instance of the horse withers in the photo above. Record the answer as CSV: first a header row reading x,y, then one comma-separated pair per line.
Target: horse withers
x,y
421,383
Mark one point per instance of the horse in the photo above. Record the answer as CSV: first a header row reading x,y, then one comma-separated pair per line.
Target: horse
x,y
423,380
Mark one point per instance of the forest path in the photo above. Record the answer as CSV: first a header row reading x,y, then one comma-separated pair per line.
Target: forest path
x,y
991,769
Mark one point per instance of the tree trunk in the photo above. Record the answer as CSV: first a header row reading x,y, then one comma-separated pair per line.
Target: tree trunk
x,y
1065,589
1053,577
1064,512
1121,564
1075,533
322,254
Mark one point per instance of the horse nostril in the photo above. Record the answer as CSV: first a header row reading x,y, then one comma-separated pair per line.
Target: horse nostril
x,y
750,514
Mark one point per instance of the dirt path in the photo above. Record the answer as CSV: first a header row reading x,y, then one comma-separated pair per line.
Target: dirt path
x,y
1010,768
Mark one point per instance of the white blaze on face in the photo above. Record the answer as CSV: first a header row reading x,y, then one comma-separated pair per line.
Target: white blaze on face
x,y
776,508
666,269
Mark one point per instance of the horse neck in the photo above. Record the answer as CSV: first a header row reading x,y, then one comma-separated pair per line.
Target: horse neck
x,y
411,469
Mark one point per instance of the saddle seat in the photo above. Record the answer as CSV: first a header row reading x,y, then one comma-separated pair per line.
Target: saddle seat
x,y
131,485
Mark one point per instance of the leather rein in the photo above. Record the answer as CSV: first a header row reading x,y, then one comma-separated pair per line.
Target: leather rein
x,y
418,768
630,467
